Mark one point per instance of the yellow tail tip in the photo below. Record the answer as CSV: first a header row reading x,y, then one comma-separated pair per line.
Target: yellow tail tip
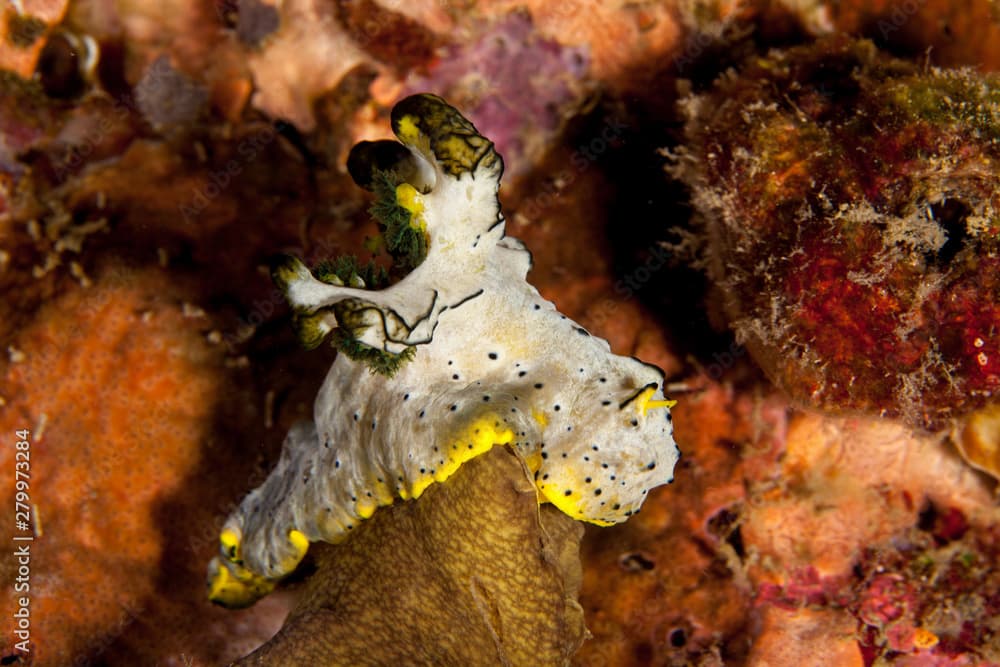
x,y
235,589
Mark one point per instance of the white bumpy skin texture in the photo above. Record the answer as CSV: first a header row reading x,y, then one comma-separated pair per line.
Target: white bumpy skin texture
x,y
493,364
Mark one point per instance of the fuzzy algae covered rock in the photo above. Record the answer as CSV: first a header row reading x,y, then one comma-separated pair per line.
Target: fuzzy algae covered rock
x,y
851,207
458,356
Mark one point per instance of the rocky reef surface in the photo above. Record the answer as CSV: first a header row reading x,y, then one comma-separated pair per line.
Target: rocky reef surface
x,y
153,156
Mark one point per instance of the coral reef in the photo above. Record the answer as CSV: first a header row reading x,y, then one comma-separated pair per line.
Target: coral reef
x,y
790,535
962,33
668,587
850,206
288,81
24,26
125,346
624,43
137,232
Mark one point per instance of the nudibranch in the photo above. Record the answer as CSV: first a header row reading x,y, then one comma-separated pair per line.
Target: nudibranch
x,y
470,356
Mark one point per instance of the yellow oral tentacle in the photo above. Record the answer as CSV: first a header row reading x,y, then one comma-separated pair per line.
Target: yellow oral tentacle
x,y
644,402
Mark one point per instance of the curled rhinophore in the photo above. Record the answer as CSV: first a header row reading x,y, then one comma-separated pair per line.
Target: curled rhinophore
x,y
458,356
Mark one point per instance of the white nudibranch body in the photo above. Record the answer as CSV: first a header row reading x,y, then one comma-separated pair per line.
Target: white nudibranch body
x,y
494,364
